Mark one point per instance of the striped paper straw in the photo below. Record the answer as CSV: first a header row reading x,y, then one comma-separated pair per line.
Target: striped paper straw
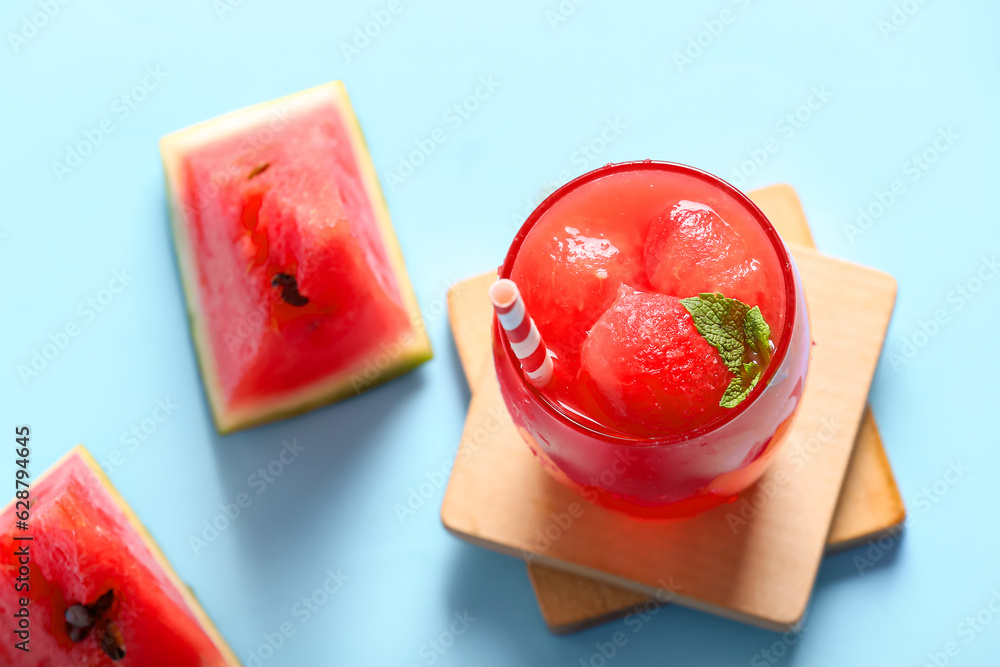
x,y
522,334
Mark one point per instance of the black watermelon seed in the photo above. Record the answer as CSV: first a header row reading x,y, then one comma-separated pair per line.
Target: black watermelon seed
x,y
112,642
258,170
289,289
79,622
103,603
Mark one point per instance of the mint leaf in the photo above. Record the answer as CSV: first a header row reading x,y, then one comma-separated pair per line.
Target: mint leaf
x,y
758,334
738,390
721,322
741,336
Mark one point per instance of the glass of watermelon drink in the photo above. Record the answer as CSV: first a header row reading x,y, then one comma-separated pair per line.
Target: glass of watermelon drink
x,y
677,324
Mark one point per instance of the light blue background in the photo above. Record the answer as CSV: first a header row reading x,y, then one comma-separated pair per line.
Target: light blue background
x,y
559,83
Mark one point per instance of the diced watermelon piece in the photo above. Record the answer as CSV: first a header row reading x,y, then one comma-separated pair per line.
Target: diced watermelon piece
x,y
657,374
690,250
569,274
295,283
91,557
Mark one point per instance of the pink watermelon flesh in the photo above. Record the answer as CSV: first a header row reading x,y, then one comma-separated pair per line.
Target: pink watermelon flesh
x,y
690,250
657,374
294,280
84,546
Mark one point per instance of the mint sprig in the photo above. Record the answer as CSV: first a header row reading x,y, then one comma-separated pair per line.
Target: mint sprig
x,y
741,336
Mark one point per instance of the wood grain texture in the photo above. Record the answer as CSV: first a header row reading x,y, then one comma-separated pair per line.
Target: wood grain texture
x,y
869,504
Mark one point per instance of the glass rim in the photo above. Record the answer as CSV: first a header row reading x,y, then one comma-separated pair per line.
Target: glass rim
x,y
787,271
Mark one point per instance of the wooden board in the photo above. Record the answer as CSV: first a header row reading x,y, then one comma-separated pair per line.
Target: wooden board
x,y
763,572
870,503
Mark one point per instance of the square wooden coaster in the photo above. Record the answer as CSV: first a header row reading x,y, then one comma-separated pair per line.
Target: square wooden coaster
x,y
759,569
870,503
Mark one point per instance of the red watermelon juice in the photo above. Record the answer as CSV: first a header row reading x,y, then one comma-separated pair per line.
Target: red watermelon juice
x,y
677,325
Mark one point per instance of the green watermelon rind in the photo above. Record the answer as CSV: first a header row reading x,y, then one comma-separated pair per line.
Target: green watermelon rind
x,y
332,388
185,591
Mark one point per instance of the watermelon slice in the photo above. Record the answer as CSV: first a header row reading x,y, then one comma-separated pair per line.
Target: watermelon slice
x,y
100,592
295,283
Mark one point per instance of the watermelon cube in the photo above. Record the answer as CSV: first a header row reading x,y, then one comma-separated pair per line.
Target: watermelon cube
x,y
656,374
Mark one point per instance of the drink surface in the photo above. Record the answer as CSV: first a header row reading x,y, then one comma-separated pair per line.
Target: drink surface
x,y
602,273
